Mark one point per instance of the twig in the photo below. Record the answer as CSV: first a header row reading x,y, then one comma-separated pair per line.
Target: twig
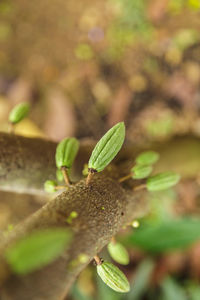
x,y
65,175
122,179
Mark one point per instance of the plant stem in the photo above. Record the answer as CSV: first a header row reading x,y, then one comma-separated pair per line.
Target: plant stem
x,y
113,240
65,175
59,187
12,128
125,178
139,187
97,260
89,178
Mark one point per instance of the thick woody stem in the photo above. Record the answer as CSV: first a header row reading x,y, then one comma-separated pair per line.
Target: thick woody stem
x,y
103,208
26,163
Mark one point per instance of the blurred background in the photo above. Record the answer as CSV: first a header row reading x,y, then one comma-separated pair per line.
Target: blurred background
x,y
87,65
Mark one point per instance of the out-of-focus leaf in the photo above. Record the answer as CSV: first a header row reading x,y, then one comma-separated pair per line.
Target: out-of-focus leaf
x,y
77,294
185,38
172,291
104,292
161,204
84,52
37,250
195,4
175,6
141,280
147,158
194,291
161,127
162,181
118,252
166,236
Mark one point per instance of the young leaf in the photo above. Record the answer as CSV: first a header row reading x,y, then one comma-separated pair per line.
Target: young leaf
x,y
172,290
141,172
66,152
162,181
59,175
113,277
49,186
19,112
119,253
166,236
37,250
141,280
147,158
107,147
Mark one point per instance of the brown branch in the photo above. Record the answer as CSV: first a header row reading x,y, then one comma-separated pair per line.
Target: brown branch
x,y
24,166
103,208
26,163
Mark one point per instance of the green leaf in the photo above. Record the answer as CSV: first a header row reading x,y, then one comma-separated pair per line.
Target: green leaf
x,y
118,252
172,290
19,112
141,280
37,250
66,152
147,158
166,236
104,292
59,175
141,172
49,186
194,291
113,277
78,294
162,181
107,147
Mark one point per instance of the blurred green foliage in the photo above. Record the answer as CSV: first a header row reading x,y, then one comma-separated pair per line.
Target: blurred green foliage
x,y
37,250
161,237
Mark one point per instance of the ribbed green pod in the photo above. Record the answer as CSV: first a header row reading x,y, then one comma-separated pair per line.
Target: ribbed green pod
x,y
162,181
19,112
119,253
113,277
140,171
147,158
107,147
66,152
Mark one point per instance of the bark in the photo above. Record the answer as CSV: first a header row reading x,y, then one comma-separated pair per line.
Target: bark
x,y
103,208
26,163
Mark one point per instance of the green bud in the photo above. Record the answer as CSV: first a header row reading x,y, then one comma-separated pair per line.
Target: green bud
x,y
85,170
140,171
107,147
147,158
66,152
119,253
162,181
59,175
19,112
49,186
113,277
